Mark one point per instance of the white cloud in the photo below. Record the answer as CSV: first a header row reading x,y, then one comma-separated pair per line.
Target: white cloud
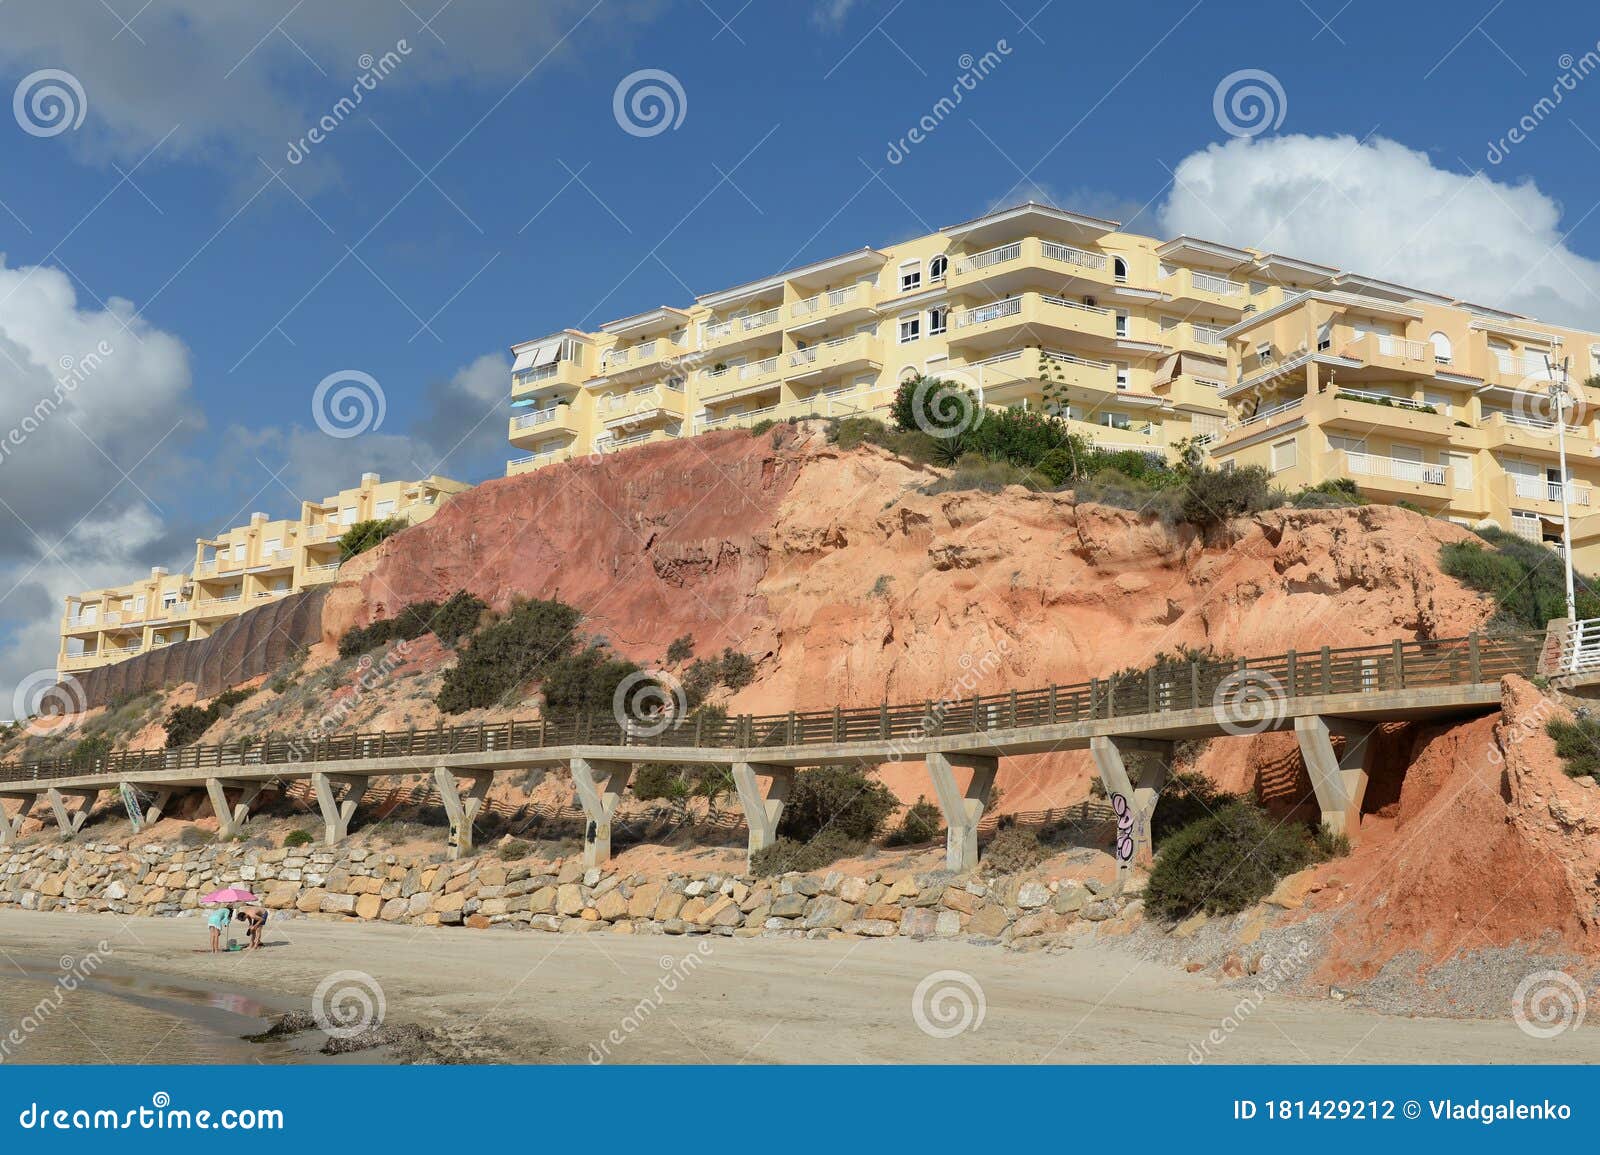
x,y
1384,210
237,79
85,393
831,14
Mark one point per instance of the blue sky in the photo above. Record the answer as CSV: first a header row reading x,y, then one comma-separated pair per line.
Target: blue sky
x,y
485,192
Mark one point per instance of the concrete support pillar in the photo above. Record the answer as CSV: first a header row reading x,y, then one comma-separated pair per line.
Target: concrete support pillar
x,y
962,808
762,813
157,807
11,827
462,809
337,812
600,786
1134,794
71,820
1340,782
228,822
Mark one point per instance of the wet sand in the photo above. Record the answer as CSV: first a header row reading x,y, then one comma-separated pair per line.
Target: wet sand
x,y
532,997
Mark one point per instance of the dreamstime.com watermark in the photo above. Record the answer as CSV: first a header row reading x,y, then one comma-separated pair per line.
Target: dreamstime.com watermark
x,y
1548,1003
347,1004
75,972
160,1115
649,102
48,704
348,403
973,71
74,372
369,676
1249,102
948,1003
49,102
373,70
1574,70
1274,975
677,972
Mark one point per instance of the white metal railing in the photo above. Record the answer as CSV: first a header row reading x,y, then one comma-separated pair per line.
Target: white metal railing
x,y
1073,359
1269,414
1579,645
828,299
994,311
804,356
1543,490
1068,255
1206,334
824,404
1524,366
759,320
841,297
760,368
1398,468
989,257
1406,350
718,329
535,417
114,650
539,373
1210,283
1523,420
616,357
224,600
1066,303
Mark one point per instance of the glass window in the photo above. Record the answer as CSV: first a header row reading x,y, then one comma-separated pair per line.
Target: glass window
x,y
910,329
910,276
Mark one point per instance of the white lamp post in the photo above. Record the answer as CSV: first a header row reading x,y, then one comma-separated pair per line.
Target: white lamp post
x,y
1560,398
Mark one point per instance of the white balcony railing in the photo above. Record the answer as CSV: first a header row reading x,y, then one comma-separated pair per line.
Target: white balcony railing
x,y
1210,283
1068,255
532,376
1386,399
1067,303
994,311
1527,365
759,320
1207,334
989,258
1406,350
829,299
1397,468
1539,489
535,417
756,369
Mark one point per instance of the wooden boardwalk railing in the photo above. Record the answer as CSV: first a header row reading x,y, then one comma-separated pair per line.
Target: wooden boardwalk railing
x,y
1396,666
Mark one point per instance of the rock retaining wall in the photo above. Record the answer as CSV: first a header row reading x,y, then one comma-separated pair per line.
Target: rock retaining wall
x,y
561,897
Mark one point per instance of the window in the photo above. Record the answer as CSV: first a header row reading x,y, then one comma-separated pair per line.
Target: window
x,y
1119,270
937,320
1283,455
1258,287
347,515
910,329
1122,374
1111,419
1264,353
384,509
1441,348
1167,270
1325,337
169,599
1122,324
937,269
1169,323
271,546
910,276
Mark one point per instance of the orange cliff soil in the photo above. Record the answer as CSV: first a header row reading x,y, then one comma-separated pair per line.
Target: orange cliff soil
x,y
850,587
1487,843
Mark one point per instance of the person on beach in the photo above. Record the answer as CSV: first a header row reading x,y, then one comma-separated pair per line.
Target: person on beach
x,y
218,921
255,920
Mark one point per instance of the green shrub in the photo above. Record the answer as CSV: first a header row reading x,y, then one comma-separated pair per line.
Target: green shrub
x,y
1524,578
1328,844
922,823
1013,850
681,650
666,782
1214,497
761,427
849,432
973,471
584,683
363,535
788,854
514,850
1577,745
836,798
457,617
737,670
506,655
1225,862
91,749
187,723
1188,798
1335,493
449,622
297,838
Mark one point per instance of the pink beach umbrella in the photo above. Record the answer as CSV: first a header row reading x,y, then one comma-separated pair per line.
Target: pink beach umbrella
x,y
229,894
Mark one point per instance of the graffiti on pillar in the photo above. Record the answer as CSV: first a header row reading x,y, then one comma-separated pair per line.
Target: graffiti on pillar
x,y
1124,813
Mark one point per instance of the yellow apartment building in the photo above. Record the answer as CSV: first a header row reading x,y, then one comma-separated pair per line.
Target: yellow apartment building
x,y
234,572
1308,370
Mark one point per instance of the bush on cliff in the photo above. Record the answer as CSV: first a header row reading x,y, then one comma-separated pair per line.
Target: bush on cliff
x,y
1012,851
584,683
1523,577
1225,862
788,854
297,838
836,798
448,621
677,785
922,823
1213,497
363,535
1189,798
1577,745
1335,493
187,723
506,655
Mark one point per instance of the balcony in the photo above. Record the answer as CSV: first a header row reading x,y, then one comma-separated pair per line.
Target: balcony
x,y
831,308
1505,430
1393,355
612,444
84,661
1031,368
1260,421
641,406
749,329
734,379
1517,367
1192,286
1014,264
1544,496
538,460
1367,413
219,607
538,423
1043,315
832,403
642,360
1389,476
315,573
568,373
856,352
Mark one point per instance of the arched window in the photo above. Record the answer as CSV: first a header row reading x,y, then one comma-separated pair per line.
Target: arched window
x,y
937,268
1119,270
1441,348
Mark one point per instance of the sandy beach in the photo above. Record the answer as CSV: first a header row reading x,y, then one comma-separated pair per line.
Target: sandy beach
x,y
526,997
